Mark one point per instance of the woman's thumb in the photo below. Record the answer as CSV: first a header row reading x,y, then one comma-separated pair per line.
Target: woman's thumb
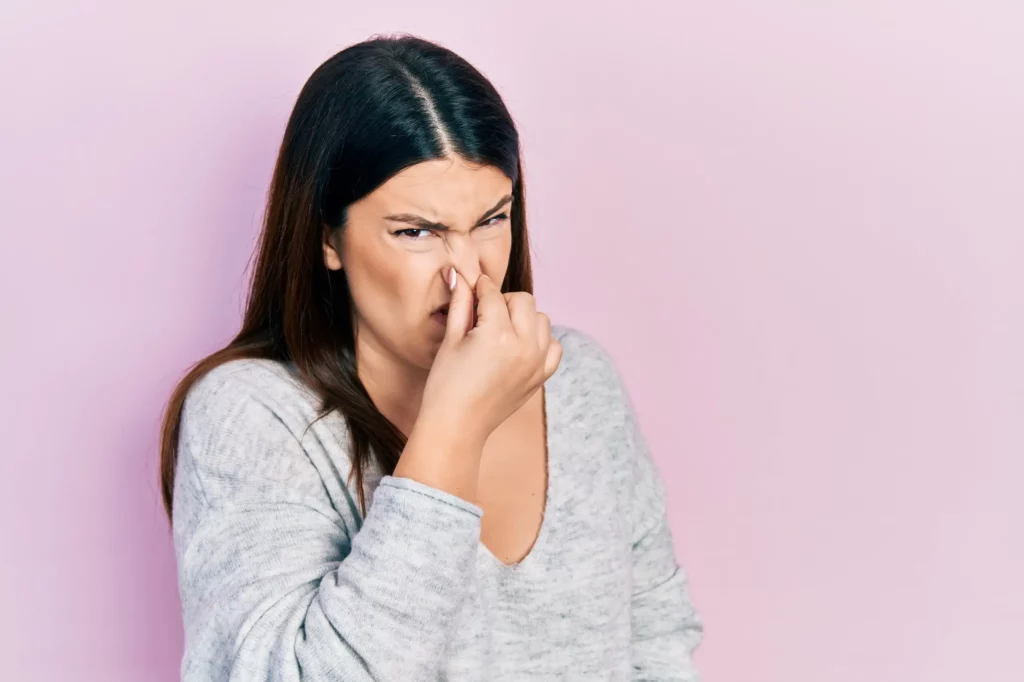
x,y
460,309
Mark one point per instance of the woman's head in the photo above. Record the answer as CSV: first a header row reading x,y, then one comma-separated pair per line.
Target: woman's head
x,y
399,160
391,128
397,243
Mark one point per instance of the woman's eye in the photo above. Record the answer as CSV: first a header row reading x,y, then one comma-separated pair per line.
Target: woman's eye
x,y
496,220
412,233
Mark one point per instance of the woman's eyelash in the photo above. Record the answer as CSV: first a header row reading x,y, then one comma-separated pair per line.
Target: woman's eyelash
x,y
500,217
406,232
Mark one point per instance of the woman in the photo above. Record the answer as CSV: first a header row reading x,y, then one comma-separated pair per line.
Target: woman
x,y
399,470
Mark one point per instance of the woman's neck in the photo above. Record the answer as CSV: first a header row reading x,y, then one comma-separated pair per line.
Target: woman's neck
x,y
395,386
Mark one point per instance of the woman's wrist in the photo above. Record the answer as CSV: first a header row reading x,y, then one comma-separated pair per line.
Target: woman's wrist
x,y
443,454
452,428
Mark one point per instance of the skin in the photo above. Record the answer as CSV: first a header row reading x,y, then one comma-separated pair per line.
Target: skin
x,y
395,270
396,248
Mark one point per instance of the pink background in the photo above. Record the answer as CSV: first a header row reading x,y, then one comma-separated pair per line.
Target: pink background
x,y
798,226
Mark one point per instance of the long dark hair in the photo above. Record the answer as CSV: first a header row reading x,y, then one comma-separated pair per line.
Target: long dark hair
x,y
365,114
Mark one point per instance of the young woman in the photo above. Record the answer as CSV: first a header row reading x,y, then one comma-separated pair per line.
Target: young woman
x,y
399,469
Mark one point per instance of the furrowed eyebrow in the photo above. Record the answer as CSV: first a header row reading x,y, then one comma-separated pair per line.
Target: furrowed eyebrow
x,y
416,220
507,199
424,224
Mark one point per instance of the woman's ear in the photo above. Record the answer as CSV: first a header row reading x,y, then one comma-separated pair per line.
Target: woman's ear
x,y
332,259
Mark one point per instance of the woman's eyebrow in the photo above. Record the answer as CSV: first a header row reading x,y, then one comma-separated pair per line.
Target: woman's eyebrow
x,y
507,199
416,220
425,224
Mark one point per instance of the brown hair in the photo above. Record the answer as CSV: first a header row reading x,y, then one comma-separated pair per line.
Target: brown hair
x,y
365,114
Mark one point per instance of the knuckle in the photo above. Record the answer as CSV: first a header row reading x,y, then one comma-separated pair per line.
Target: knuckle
x,y
518,298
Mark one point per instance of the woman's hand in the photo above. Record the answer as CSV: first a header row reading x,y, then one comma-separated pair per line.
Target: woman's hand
x,y
490,362
488,367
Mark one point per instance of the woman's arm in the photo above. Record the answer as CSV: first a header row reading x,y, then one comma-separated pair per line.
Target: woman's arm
x,y
666,629
275,586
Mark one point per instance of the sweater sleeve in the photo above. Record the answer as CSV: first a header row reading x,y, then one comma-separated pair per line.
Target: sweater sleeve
x,y
274,584
666,628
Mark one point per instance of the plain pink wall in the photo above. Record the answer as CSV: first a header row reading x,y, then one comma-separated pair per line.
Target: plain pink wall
x,y
798,226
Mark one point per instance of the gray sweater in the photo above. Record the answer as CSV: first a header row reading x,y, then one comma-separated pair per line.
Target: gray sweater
x,y
282,579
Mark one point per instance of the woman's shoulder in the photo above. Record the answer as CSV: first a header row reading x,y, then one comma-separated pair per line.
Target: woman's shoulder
x,y
251,430
275,385
584,358
259,374
241,408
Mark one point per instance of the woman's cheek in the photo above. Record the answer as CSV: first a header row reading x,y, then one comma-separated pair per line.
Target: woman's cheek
x,y
494,255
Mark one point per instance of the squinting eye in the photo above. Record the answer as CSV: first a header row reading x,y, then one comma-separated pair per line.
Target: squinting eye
x,y
496,220
411,233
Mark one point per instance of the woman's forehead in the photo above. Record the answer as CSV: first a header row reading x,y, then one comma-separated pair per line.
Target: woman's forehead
x,y
442,187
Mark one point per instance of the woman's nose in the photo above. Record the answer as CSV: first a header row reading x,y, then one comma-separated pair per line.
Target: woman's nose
x,y
466,259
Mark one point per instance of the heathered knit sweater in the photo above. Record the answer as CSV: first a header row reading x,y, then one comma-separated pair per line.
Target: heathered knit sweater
x,y
282,579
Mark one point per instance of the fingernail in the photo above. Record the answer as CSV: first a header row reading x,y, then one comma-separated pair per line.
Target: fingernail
x,y
451,279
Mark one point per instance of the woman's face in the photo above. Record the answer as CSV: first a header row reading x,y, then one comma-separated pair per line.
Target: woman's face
x,y
401,239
